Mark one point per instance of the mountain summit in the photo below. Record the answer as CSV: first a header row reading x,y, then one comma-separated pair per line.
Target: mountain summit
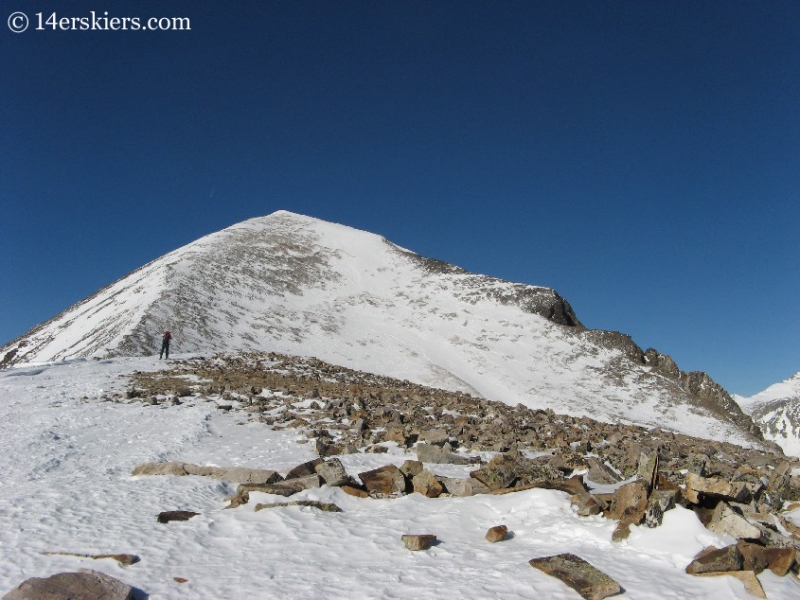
x,y
298,285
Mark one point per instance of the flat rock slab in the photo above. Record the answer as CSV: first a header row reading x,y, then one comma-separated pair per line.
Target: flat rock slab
x,y
176,515
589,582
72,586
323,506
231,474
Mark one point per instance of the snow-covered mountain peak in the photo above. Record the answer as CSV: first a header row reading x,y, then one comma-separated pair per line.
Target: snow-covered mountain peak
x,y
298,285
777,412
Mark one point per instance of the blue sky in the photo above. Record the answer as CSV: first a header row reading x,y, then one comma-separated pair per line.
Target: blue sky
x,y
642,158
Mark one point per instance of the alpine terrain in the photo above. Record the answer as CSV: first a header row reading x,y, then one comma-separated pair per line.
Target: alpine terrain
x,y
776,411
301,286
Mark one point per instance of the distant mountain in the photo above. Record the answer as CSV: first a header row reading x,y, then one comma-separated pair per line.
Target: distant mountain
x,y
298,285
776,411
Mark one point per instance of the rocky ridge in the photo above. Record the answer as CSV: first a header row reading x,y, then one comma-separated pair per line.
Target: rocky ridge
x,y
733,490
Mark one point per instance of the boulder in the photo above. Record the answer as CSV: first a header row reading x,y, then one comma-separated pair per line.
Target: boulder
x,y
601,473
384,480
425,483
715,487
418,542
780,560
411,468
69,586
497,533
754,557
725,521
630,499
581,576
333,472
715,560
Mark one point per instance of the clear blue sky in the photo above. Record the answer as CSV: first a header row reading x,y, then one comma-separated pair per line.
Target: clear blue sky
x,y
642,158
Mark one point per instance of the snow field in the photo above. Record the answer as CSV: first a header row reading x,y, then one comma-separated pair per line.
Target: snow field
x,y
66,464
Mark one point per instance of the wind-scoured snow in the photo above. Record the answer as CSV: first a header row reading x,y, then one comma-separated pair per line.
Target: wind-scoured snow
x,y
298,285
67,459
777,411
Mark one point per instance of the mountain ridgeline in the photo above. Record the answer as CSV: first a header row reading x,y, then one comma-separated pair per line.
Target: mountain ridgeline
x,y
297,285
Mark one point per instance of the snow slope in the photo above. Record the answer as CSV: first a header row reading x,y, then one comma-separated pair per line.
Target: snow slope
x,y
777,412
298,285
66,463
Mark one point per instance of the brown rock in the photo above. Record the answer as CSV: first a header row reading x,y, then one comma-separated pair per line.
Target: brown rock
x,y
754,556
418,542
354,491
589,582
411,468
497,533
780,560
630,499
714,560
384,480
751,583
425,483
176,515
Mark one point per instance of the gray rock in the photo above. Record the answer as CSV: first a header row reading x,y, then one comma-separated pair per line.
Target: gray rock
x,y
176,515
333,472
725,521
72,586
427,453
456,486
589,582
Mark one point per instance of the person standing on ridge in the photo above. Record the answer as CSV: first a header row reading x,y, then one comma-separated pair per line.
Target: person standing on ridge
x,y
165,344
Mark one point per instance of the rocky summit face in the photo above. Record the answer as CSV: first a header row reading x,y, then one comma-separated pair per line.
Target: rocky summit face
x,y
776,411
297,285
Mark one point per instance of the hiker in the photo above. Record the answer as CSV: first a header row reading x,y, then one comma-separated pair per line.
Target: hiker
x,y
165,344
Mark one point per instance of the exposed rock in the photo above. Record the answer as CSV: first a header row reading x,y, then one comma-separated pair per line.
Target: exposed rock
x,y
601,473
754,556
427,453
176,515
353,490
304,470
232,474
581,576
587,504
497,533
714,560
72,586
714,487
418,542
512,469
425,483
780,560
725,521
411,467
648,469
751,583
630,499
456,486
333,472
123,559
323,506
384,480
